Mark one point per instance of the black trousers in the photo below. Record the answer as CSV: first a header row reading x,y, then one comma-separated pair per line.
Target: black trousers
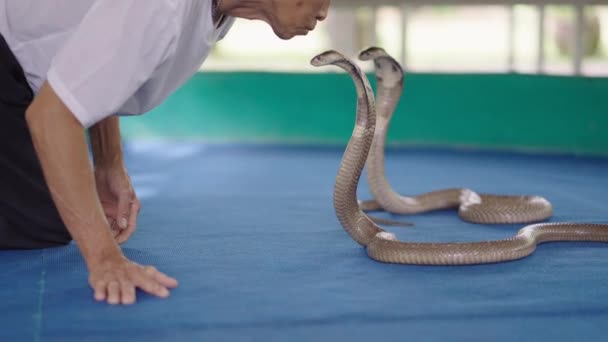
x,y
28,216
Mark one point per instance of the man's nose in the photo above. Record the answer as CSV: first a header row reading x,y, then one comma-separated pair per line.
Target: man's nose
x,y
323,13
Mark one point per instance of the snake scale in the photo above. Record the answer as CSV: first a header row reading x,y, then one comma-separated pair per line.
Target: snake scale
x,y
383,246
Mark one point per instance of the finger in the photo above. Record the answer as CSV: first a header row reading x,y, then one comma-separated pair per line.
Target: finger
x,y
113,292
126,234
165,280
109,208
100,291
150,285
135,207
150,270
159,276
127,289
113,227
123,235
124,206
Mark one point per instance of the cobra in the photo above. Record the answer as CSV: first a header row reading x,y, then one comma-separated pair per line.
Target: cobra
x,y
472,207
383,246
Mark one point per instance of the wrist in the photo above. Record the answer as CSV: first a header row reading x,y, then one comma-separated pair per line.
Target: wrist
x,y
103,251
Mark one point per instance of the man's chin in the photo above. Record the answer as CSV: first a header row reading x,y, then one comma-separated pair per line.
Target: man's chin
x,y
284,35
290,35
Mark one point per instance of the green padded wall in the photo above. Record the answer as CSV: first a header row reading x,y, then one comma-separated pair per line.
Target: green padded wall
x,y
549,114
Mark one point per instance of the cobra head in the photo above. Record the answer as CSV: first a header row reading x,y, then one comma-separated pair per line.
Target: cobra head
x,y
372,53
388,70
326,58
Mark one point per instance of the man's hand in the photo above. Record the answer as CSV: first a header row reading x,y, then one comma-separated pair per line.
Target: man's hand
x,y
118,199
115,280
60,143
114,188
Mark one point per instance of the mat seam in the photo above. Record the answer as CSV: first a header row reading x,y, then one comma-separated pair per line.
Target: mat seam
x,y
38,315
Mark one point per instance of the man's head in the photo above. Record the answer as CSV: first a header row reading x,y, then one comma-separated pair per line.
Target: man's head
x,y
288,18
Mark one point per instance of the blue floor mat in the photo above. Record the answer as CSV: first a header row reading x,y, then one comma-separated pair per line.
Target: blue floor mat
x,y
251,235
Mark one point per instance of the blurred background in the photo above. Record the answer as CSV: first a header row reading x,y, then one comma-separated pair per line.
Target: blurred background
x,y
512,75
436,38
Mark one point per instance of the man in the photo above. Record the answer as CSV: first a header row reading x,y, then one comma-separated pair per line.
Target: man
x,y
67,66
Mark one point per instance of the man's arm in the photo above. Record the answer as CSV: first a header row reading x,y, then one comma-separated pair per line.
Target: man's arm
x,y
60,143
118,198
106,143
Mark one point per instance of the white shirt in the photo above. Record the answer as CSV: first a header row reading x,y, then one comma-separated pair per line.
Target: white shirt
x,y
106,57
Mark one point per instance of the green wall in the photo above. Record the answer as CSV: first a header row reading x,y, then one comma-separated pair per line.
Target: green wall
x,y
513,112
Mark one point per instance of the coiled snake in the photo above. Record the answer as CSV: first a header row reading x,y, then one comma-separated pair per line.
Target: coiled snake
x,y
382,245
472,207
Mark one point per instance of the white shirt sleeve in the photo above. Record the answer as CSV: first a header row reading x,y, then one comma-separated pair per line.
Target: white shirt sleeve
x,y
113,51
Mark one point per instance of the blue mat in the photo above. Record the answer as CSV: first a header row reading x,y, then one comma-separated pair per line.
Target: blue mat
x,y
251,235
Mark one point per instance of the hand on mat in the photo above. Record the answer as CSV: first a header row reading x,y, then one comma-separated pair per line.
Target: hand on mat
x,y
119,200
116,280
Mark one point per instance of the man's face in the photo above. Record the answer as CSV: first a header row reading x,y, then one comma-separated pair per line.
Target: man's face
x,y
290,18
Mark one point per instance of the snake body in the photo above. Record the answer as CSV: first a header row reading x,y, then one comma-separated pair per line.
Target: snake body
x,y
472,207
383,246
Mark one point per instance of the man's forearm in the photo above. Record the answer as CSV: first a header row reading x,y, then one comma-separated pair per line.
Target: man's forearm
x,y
106,142
60,143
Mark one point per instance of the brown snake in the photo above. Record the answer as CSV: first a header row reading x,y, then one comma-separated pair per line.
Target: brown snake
x,y
383,246
472,207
